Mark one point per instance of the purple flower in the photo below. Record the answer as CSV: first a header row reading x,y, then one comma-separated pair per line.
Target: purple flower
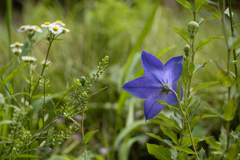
x,y
159,83
79,117
103,150
75,136
61,120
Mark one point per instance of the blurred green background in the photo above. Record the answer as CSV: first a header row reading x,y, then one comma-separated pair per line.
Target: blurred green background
x,y
112,27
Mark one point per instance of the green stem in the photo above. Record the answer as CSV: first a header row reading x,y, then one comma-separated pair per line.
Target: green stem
x,y
189,129
85,157
232,33
9,19
183,121
44,96
44,66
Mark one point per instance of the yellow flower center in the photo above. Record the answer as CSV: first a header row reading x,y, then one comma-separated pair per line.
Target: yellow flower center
x,y
16,43
47,23
55,28
22,26
37,28
58,21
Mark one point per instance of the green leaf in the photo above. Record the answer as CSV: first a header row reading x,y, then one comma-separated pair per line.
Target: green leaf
x,y
194,110
185,4
212,10
2,100
185,74
209,115
19,156
170,134
88,136
224,77
202,154
5,122
236,25
69,157
193,122
191,68
186,141
237,52
202,85
229,110
170,106
236,43
184,149
211,141
160,139
198,4
11,75
182,156
140,39
159,152
198,67
201,20
40,123
203,42
183,33
169,121
233,151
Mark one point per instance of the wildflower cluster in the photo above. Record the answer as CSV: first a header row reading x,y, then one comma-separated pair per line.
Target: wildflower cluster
x,y
16,50
55,27
58,138
80,97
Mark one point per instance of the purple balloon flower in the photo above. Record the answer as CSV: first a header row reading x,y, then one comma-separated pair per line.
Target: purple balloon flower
x,y
159,83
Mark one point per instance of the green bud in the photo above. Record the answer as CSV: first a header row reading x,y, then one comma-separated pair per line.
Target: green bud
x,y
193,28
83,81
186,49
42,144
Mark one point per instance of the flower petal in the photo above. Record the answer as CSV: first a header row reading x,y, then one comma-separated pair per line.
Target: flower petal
x,y
173,69
153,67
151,107
142,87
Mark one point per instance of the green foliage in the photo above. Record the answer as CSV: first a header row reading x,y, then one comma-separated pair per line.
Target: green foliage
x,y
185,74
191,67
203,42
198,4
224,77
170,121
184,149
202,154
213,11
159,152
182,156
202,85
182,32
185,4
170,134
211,141
230,110
186,141
88,136
233,151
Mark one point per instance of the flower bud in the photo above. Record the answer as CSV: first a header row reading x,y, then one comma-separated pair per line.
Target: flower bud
x,y
193,28
82,80
42,144
186,49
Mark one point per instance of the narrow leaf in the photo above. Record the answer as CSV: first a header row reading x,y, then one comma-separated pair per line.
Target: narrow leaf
x,y
88,136
169,120
5,122
159,152
183,33
209,115
202,85
170,134
229,110
186,141
185,4
198,67
193,122
194,110
198,4
211,141
11,75
191,68
184,149
203,42
166,141
212,10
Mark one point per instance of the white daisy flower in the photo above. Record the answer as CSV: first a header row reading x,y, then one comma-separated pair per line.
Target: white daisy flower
x,y
46,24
58,22
17,51
34,28
47,63
23,28
65,30
56,29
16,44
29,59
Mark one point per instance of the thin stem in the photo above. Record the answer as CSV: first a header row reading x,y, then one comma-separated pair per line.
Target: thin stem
x,y
183,121
85,157
189,129
44,66
44,96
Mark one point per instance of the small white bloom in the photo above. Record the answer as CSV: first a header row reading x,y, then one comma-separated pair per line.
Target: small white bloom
x,y
58,22
23,28
34,28
46,24
29,59
56,29
65,30
47,63
17,51
16,44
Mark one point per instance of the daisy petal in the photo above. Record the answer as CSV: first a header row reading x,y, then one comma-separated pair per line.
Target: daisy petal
x,y
153,67
173,69
142,87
